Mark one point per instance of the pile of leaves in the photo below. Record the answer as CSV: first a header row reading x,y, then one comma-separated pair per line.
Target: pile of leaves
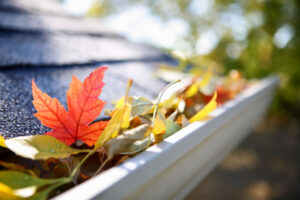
x,y
79,147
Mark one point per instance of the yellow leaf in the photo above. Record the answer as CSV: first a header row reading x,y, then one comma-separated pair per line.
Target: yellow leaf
x,y
120,119
127,112
205,80
7,193
4,188
126,116
159,126
2,141
120,102
212,104
193,89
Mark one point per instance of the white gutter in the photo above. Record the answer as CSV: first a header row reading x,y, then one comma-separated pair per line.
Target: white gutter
x,y
172,168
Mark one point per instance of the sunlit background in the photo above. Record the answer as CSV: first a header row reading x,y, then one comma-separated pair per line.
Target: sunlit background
x,y
258,37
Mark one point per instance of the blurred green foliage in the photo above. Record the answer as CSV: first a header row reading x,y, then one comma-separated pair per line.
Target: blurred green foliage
x,y
254,52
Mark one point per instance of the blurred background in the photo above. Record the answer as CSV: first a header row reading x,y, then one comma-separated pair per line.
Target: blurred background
x,y
257,37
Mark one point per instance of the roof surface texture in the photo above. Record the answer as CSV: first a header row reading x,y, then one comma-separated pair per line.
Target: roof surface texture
x,y
40,41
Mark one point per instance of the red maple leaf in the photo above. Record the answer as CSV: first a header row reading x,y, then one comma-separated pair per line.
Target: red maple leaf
x,y
83,105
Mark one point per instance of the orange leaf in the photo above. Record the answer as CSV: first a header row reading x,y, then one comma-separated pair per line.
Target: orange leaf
x,y
53,115
84,107
91,135
83,102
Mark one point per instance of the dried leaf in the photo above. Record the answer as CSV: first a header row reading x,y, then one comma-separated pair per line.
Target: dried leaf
x,y
83,104
7,193
194,88
122,142
40,147
139,145
12,166
114,125
91,135
159,125
182,120
120,119
212,104
135,122
2,142
53,115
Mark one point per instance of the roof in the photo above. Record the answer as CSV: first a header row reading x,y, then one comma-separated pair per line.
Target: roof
x,y
40,41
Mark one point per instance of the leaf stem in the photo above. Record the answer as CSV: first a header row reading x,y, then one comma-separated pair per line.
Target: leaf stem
x,y
81,162
102,165
159,99
157,104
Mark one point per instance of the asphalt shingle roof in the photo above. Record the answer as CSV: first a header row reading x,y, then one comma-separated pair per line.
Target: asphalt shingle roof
x,y
40,41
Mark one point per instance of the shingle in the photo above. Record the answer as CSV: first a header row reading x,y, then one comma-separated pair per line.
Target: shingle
x,y
16,107
53,49
33,6
51,23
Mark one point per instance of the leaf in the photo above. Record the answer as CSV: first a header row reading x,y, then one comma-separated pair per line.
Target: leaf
x,y
18,180
43,195
91,135
120,119
7,193
199,84
212,104
171,128
182,120
159,125
23,185
140,106
138,146
12,166
114,125
84,107
18,185
122,142
2,142
40,147
53,115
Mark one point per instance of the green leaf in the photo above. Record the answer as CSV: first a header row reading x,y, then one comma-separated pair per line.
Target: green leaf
x,y
40,147
42,195
124,141
140,106
171,128
18,180
23,185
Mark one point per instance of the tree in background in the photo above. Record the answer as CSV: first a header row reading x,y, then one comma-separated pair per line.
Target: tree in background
x,y
258,37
